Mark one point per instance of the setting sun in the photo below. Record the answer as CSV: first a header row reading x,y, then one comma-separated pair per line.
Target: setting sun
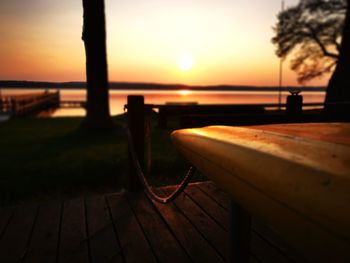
x,y
184,92
185,61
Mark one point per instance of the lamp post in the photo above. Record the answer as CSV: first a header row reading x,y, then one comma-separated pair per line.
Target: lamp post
x,y
280,71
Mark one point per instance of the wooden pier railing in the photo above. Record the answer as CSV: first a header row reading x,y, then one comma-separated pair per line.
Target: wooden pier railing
x,y
250,114
241,114
19,106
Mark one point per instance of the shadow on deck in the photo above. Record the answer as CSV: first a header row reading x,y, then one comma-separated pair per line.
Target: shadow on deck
x,y
124,227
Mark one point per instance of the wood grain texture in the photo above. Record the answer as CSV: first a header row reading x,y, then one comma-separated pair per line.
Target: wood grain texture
x,y
134,244
165,246
326,132
73,245
128,227
215,211
5,217
104,246
211,231
295,183
215,193
191,239
13,244
44,241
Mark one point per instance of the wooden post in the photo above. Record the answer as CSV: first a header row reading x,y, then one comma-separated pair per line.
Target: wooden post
x,y
162,118
136,123
148,139
239,234
13,107
294,104
58,99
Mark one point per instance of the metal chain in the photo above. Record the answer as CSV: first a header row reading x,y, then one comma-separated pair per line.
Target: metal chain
x,y
147,188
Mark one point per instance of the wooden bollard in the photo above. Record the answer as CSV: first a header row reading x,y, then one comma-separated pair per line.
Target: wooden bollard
x,y
136,123
294,103
13,107
148,139
58,99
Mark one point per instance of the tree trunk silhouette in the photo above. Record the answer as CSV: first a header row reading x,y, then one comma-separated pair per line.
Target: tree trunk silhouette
x,y
339,85
94,37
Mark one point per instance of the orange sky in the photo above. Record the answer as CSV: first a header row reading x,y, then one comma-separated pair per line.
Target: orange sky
x,y
229,41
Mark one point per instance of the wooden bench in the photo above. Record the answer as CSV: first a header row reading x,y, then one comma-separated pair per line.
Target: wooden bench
x,y
294,177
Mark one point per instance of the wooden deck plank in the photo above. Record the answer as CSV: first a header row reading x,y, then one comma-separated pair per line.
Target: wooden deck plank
x,y
265,252
13,244
252,259
272,241
193,242
215,211
104,246
135,247
73,245
276,241
212,232
131,228
5,217
44,241
215,193
164,244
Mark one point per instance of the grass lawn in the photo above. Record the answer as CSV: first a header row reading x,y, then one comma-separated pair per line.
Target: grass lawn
x,y
50,157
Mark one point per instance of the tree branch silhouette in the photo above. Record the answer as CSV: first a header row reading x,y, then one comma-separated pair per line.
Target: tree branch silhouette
x,y
311,32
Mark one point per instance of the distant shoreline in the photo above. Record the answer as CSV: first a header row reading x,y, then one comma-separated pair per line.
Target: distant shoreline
x,y
12,84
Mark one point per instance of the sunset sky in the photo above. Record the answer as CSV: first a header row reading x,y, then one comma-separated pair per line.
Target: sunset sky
x,y
201,42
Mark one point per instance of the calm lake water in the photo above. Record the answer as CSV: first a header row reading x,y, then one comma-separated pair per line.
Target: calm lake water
x,y
118,98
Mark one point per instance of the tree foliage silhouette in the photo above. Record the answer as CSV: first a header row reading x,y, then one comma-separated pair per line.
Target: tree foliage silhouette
x,y
311,32
94,37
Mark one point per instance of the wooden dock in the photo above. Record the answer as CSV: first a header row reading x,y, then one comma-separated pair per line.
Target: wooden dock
x,y
29,104
124,227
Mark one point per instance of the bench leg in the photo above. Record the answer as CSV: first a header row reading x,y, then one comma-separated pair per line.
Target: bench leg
x,y
239,234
